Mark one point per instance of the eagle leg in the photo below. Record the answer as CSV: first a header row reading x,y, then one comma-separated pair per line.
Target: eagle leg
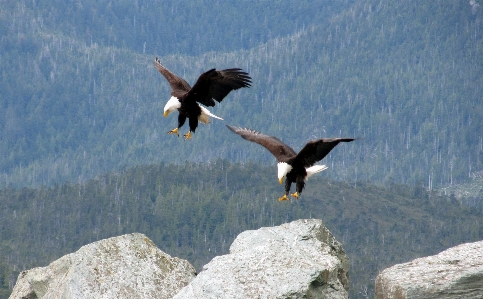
x,y
187,135
174,131
296,195
284,197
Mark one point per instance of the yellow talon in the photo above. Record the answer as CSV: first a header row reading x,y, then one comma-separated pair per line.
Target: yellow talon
x,y
284,197
174,131
296,195
187,135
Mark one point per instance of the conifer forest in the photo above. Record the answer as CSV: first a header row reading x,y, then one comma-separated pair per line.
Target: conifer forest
x,y
85,154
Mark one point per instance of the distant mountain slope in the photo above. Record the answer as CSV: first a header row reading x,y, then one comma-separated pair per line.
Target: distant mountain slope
x,y
170,27
406,76
470,193
194,211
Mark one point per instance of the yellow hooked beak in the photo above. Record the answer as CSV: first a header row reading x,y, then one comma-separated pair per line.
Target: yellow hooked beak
x,y
280,181
166,113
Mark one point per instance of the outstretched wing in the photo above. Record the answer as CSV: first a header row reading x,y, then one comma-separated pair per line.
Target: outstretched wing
x,y
316,150
217,85
280,150
178,85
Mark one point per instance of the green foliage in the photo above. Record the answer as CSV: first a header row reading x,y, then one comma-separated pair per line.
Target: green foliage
x,y
7,278
194,211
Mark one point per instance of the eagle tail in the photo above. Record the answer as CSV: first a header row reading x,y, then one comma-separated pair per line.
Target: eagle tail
x,y
314,169
205,114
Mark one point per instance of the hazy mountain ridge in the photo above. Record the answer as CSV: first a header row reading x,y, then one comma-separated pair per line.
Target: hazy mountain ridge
x,y
404,76
146,26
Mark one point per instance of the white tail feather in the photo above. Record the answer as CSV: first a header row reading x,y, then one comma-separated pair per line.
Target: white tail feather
x,y
314,169
205,114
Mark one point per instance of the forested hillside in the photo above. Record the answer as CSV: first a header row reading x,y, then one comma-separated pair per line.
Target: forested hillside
x,y
80,95
194,211
81,101
166,27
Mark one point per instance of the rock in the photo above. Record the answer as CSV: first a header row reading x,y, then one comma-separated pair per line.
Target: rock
x,y
301,259
128,266
296,260
453,273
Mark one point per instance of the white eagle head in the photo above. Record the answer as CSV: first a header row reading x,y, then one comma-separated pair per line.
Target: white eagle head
x,y
172,105
283,169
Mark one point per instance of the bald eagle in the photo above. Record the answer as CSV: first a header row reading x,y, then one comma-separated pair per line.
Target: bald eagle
x,y
296,168
210,85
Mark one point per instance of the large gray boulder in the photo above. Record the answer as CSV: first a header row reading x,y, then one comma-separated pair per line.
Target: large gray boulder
x,y
453,273
301,259
128,266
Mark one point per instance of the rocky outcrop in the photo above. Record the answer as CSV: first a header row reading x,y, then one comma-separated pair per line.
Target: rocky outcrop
x,y
301,259
129,266
453,273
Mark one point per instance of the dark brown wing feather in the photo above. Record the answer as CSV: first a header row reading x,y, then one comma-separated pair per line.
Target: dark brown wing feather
x,y
316,150
217,85
280,150
178,85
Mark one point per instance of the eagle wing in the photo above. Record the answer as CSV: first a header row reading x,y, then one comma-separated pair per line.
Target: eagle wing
x,y
316,150
280,150
217,85
178,85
